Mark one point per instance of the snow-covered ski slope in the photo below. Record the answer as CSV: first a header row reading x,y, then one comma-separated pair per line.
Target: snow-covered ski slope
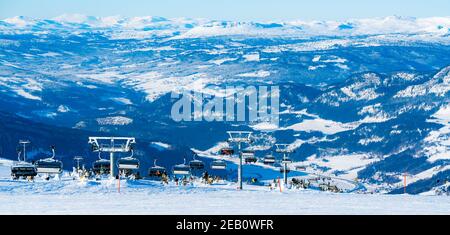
x,y
67,196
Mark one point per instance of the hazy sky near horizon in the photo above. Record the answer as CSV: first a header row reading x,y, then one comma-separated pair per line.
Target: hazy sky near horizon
x,y
244,10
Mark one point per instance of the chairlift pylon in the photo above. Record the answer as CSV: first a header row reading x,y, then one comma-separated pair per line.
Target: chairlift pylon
x,y
78,160
240,137
287,169
111,145
284,149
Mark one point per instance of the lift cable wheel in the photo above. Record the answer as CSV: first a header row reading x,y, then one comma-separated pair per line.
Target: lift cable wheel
x,y
240,137
78,170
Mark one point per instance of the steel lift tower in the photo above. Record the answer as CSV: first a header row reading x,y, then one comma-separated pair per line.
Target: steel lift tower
x,y
112,145
24,143
78,159
285,150
240,137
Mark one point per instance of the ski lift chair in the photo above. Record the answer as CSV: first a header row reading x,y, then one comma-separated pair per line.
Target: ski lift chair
x,y
249,156
226,151
49,165
156,171
219,165
269,159
23,169
196,164
181,169
128,163
101,166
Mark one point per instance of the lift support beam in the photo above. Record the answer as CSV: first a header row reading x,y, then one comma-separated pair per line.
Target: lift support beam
x,y
239,137
111,146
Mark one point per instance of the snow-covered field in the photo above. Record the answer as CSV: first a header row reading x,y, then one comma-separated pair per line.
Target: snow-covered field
x,y
67,196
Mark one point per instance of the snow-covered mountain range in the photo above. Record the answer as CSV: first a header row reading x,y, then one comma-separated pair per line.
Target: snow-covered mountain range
x,y
364,98
179,28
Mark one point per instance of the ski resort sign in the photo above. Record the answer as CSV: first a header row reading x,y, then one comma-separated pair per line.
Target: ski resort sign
x,y
253,104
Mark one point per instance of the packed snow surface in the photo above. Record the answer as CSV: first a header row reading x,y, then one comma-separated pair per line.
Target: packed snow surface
x,y
68,196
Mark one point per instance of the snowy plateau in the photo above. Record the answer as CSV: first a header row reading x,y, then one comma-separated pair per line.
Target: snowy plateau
x,y
67,196
363,102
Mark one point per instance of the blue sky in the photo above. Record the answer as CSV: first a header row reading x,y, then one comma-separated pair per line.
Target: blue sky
x,y
264,10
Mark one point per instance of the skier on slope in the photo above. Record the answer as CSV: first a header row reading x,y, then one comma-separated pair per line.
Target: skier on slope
x,y
205,176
